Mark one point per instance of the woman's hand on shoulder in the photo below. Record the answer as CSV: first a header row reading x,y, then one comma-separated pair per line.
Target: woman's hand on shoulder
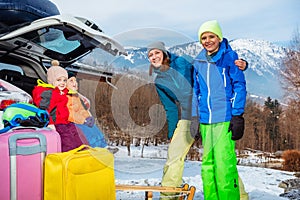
x,y
241,63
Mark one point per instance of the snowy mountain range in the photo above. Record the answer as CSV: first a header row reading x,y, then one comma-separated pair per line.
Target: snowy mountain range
x,y
263,74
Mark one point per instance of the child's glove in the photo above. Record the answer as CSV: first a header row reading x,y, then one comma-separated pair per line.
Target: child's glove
x,y
237,126
195,131
89,121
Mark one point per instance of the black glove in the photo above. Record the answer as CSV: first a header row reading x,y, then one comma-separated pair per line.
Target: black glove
x,y
195,131
237,126
89,121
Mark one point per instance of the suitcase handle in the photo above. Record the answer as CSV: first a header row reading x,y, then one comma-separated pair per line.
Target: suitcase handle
x,y
83,146
27,128
14,149
11,129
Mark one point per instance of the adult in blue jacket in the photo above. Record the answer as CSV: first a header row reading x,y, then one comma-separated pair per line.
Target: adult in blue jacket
x,y
172,82
174,87
218,103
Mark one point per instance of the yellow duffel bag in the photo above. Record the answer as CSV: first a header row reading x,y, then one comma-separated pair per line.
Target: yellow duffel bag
x,y
81,173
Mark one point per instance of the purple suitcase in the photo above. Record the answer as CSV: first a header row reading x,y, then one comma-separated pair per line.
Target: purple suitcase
x,y
22,153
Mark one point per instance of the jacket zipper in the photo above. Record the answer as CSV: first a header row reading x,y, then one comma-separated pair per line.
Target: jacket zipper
x,y
208,94
224,77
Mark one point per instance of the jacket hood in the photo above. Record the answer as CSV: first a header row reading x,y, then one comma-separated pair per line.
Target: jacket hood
x,y
172,56
44,84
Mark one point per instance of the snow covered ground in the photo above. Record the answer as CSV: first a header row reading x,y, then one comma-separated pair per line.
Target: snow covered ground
x,y
260,183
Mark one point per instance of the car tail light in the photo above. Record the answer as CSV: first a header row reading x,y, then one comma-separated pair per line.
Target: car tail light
x,y
5,103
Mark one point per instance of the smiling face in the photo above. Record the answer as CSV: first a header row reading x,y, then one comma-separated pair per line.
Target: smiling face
x,y
210,42
156,57
61,83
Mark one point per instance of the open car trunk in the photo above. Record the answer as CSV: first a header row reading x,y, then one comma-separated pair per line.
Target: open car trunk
x,y
65,38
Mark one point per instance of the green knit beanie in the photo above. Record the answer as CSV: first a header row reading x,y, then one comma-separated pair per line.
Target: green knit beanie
x,y
210,26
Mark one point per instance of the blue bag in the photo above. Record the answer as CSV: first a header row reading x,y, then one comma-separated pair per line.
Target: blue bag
x,y
93,135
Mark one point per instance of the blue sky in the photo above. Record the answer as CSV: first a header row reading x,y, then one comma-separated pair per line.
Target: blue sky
x,y
140,20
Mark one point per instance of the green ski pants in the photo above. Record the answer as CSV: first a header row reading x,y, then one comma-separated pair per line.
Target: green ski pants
x,y
219,171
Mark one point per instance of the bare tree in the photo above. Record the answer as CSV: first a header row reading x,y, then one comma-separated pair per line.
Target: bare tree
x,y
290,77
291,126
253,135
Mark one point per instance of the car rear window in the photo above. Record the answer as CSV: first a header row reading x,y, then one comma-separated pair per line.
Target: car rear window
x,y
55,40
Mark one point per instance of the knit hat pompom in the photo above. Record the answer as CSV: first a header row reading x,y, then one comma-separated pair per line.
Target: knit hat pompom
x,y
210,26
55,63
55,72
157,45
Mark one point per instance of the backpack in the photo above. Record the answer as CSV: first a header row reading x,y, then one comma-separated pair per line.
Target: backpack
x,y
24,114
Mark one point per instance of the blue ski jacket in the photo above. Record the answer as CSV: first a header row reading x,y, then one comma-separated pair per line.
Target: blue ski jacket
x,y
219,86
174,86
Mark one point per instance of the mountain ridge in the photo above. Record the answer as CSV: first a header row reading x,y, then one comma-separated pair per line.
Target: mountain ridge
x,y
265,61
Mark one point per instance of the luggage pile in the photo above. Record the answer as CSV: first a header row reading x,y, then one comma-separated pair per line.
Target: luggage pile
x,y
33,166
